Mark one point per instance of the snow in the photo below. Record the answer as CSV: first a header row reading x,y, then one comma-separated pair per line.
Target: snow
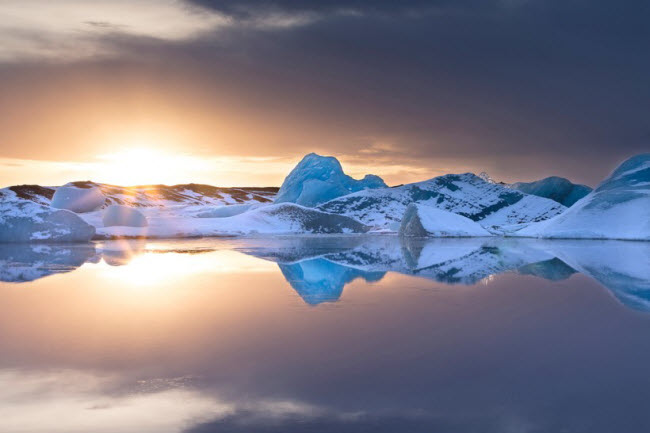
x,y
225,211
491,205
78,199
283,218
422,221
317,179
556,188
26,221
619,208
117,215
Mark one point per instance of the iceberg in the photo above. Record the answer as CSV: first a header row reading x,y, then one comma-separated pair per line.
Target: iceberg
x,y
619,208
26,221
427,221
556,188
225,211
118,215
78,200
317,179
491,205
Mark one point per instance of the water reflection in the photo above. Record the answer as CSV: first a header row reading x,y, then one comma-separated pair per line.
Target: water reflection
x,y
209,336
319,268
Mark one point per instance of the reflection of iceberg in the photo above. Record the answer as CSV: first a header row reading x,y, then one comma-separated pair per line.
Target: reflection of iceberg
x,y
319,280
319,268
623,267
25,262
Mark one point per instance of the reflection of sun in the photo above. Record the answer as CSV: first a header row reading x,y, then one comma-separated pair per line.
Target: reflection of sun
x,y
142,165
169,268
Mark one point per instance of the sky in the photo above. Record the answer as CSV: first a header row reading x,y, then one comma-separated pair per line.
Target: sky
x,y
235,93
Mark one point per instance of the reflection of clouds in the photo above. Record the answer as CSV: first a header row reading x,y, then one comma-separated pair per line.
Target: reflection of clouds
x,y
72,401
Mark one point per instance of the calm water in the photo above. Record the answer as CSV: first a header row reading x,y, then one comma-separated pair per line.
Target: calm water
x,y
355,334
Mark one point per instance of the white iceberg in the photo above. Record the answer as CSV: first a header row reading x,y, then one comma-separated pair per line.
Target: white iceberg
x,y
619,208
125,216
427,221
78,200
317,179
26,221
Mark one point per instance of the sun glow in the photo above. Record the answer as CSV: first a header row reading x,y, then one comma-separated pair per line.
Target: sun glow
x,y
143,165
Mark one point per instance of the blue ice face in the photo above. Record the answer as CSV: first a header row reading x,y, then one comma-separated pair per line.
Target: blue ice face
x,y
317,179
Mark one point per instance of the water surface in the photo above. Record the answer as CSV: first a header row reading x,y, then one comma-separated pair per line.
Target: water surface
x,y
324,334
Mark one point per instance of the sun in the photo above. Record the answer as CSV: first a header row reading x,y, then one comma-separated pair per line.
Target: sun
x,y
147,165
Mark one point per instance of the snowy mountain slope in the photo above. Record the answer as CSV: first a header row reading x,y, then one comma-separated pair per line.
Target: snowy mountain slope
x,y
556,188
492,205
317,179
155,195
619,208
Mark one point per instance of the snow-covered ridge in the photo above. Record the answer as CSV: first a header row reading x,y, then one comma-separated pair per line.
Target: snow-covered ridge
x,y
491,205
154,195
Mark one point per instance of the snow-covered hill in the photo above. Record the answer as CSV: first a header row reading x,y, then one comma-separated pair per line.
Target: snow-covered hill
x,y
556,188
154,195
619,208
491,205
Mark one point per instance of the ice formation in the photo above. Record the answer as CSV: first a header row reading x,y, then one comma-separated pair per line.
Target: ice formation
x,y
619,208
125,216
317,179
78,200
26,221
427,221
556,188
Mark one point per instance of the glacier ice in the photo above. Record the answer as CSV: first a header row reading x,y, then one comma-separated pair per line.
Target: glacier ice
x,y
78,200
26,221
427,221
491,205
556,188
317,179
619,208
125,216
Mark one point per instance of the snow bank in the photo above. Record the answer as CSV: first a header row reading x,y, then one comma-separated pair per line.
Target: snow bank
x,y
423,221
283,218
117,215
77,199
619,208
225,211
317,179
26,221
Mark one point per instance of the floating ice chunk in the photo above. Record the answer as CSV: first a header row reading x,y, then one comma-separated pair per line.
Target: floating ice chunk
x,y
118,215
26,221
78,199
422,221
317,179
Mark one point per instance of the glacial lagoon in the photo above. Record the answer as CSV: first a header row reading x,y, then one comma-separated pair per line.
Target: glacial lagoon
x,y
326,334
